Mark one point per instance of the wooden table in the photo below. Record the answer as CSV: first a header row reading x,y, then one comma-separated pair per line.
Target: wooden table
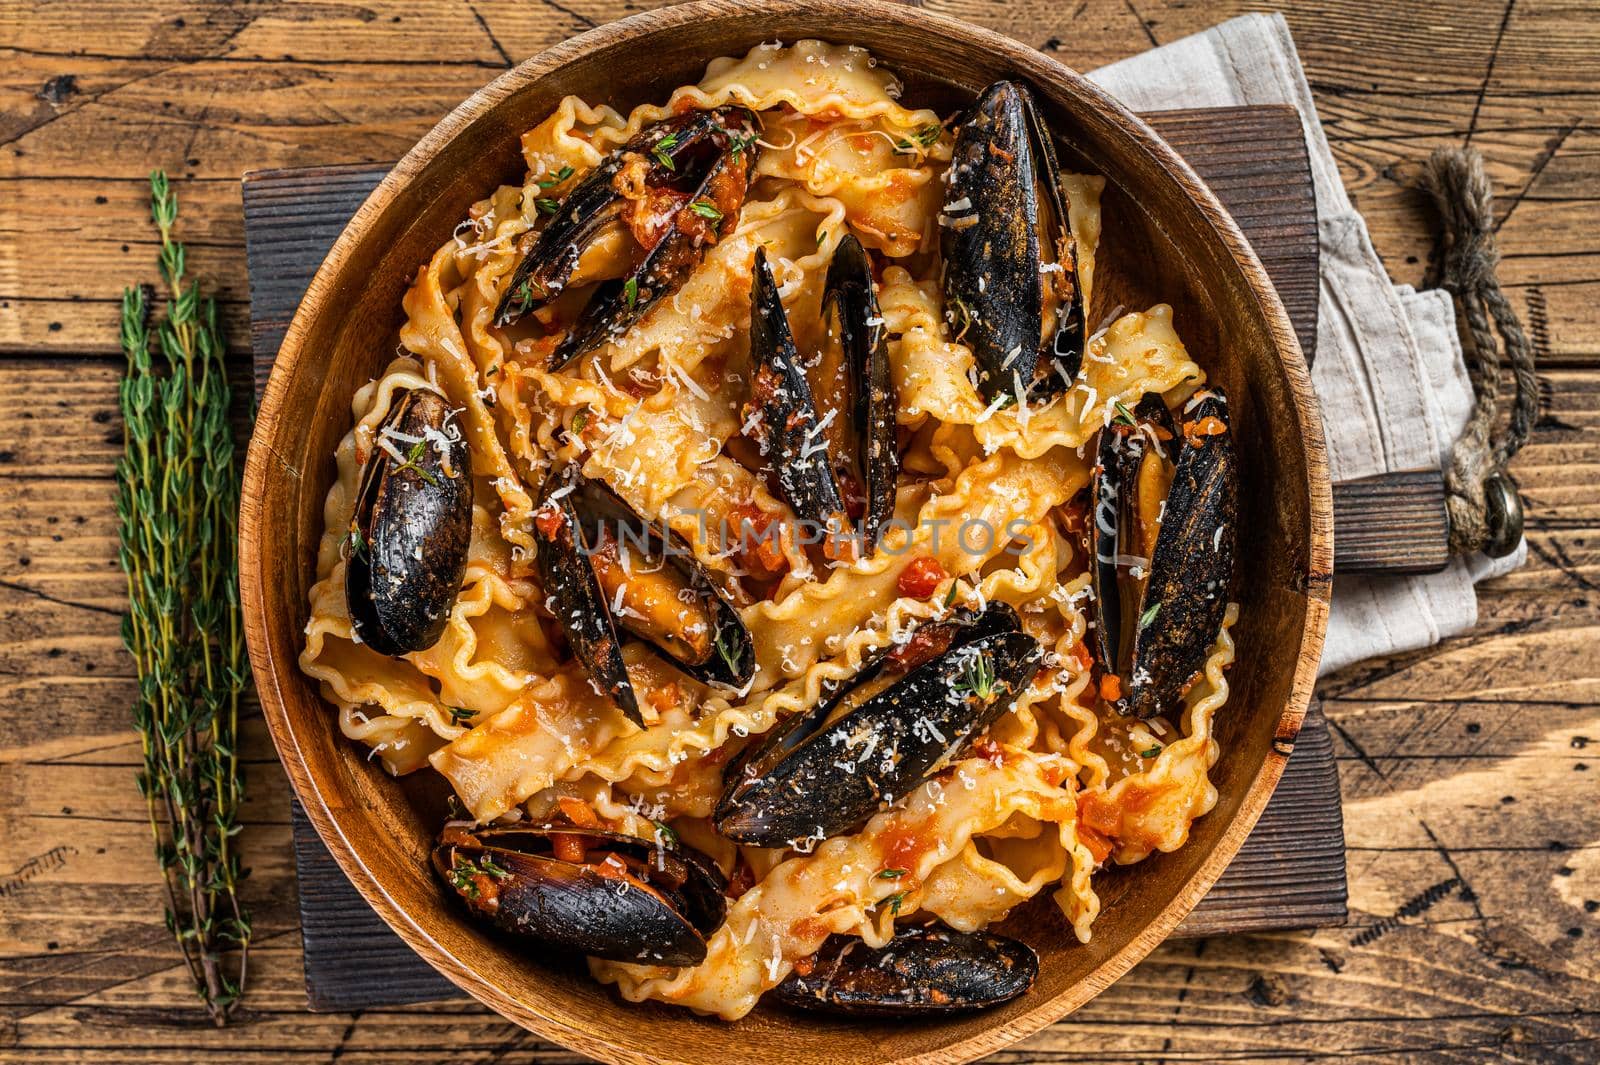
x,y
1471,772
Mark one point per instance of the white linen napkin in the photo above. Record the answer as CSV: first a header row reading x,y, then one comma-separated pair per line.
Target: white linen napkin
x,y
1388,369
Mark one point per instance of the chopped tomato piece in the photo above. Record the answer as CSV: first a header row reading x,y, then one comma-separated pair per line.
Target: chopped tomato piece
x,y
549,521
567,848
1210,425
1099,814
1082,655
578,812
1098,845
927,643
756,542
1110,687
921,578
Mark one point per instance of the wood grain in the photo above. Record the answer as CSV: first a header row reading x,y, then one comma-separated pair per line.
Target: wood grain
x,y
1419,975
1393,523
1284,876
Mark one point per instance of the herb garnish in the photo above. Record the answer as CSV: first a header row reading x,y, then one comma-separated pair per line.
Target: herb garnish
x,y
920,140
728,652
1124,416
630,292
177,501
413,457
738,142
894,901
662,147
1149,615
560,176
547,205
666,833
950,596
1151,753
891,874
706,209
978,677
579,420
354,542
460,715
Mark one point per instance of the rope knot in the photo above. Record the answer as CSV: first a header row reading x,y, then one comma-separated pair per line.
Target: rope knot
x,y
1485,513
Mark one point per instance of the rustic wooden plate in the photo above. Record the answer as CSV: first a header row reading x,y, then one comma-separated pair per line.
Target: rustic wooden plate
x,y
1167,240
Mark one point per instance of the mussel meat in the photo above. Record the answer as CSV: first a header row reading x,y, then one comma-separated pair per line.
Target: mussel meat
x,y
1165,502
1011,290
599,893
604,567
922,970
900,720
810,446
410,528
677,187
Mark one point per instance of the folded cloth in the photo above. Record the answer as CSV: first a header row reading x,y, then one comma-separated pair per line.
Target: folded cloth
x,y
1388,371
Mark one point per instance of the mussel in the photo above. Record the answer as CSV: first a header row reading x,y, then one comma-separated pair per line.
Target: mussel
x,y
900,720
677,187
1165,502
604,567
1011,290
810,446
410,528
599,893
922,970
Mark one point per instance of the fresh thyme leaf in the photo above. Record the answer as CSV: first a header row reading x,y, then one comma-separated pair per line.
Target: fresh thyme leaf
x,y
461,877
1151,753
738,142
356,543
978,678
950,596
706,209
579,420
667,833
1124,416
177,503
559,176
891,874
893,901
413,457
491,371
547,205
460,715
662,148
492,869
728,652
921,139
630,292
1149,615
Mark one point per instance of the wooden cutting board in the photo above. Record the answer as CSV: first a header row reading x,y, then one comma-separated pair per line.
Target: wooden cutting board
x,y
1290,873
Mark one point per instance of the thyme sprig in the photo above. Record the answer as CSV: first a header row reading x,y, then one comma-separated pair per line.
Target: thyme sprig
x,y
177,502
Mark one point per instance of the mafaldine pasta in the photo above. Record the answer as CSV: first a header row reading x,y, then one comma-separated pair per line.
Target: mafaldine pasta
x,y
787,565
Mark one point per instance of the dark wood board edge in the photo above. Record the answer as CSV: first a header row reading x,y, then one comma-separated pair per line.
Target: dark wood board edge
x,y
1291,871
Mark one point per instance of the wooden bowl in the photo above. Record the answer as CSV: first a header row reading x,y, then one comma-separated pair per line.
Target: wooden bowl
x,y
1166,240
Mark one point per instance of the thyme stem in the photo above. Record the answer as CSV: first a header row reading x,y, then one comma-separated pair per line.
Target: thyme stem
x,y
177,505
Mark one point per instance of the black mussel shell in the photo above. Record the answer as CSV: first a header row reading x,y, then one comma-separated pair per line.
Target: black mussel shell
x,y
926,970
995,285
1191,570
410,527
573,594
848,290
792,787
707,155
731,661
1114,527
659,914
782,413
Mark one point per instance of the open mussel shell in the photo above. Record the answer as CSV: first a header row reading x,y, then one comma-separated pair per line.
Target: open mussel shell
x,y
1010,268
629,899
782,414
1165,504
668,598
605,568
573,594
897,730
848,292
1191,570
926,970
410,527
701,162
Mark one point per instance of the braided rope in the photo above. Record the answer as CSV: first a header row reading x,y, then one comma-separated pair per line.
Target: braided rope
x,y
1463,263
